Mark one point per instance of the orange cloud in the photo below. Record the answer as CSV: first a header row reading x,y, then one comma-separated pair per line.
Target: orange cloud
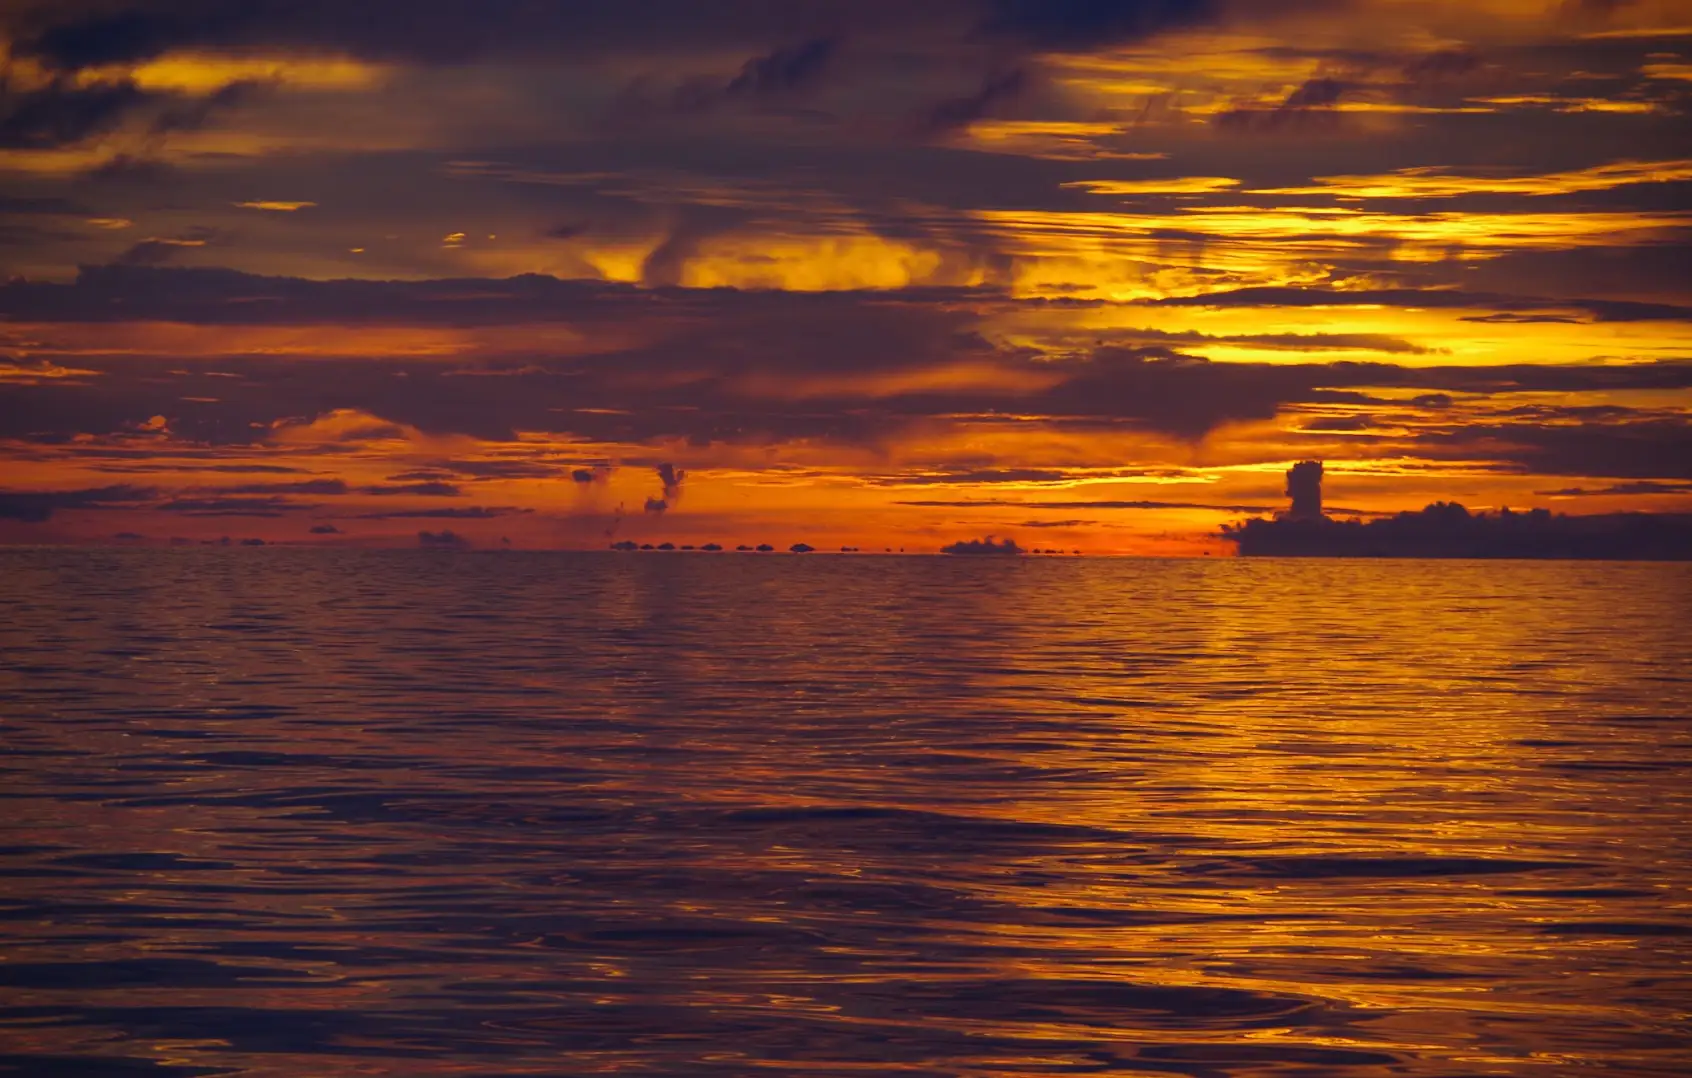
x,y
1435,182
202,73
1180,185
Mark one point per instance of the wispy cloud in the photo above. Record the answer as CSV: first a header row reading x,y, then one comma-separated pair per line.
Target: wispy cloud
x,y
1434,182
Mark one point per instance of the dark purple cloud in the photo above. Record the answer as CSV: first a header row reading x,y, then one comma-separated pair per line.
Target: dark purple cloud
x,y
232,506
63,114
472,512
1087,25
784,71
34,506
424,489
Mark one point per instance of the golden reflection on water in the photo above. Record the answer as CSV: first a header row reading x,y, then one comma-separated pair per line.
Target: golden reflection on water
x,y
296,813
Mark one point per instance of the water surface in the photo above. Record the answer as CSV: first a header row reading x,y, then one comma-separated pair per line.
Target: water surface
x,y
283,812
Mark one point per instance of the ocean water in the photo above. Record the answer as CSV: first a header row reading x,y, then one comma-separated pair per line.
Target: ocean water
x,y
279,812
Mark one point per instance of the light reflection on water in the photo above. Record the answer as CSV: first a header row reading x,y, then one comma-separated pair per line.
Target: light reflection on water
x,y
271,812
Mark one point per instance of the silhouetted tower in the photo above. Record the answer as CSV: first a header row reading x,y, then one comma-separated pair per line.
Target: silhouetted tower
x,y
1304,487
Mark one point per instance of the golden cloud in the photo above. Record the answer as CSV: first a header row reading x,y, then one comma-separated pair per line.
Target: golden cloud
x,y
201,73
1179,185
1434,182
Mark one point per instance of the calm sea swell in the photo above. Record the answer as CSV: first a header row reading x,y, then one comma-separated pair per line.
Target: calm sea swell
x,y
284,812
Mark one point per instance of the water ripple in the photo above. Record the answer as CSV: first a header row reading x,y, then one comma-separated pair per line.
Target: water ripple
x,y
276,813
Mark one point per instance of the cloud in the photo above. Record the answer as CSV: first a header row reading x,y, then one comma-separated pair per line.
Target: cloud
x,y
35,506
500,469
121,37
1315,93
1434,182
195,113
1296,342
1602,310
63,114
959,112
1089,25
226,506
726,373
757,395
784,71
304,486
988,503
130,170
472,512
1009,303
1507,319
865,329
1649,449
671,476
77,35
420,475
148,464
148,253
449,539
274,206
1449,530
1310,103
1176,185
325,529
215,296
988,546
984,476
1340,423
28,204
156,250
425,489
1644,486
1441,63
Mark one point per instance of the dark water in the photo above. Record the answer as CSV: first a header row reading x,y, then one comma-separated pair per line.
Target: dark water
x,y
271,812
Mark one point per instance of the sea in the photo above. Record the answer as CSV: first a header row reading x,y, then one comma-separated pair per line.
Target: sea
x,y
282,812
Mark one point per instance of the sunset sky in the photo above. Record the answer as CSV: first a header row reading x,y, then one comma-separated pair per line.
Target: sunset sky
x,y
1087,273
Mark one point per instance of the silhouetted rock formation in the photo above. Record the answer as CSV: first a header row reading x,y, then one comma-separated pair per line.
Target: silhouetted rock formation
x,y
1448,530
982,546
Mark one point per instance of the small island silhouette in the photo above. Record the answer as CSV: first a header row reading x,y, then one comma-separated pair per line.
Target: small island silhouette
x,y
1450,530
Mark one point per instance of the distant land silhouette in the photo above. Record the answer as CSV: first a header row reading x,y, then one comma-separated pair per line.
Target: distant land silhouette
x,y
1449,530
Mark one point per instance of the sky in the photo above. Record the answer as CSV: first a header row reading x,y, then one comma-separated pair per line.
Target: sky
x,y
1086,273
